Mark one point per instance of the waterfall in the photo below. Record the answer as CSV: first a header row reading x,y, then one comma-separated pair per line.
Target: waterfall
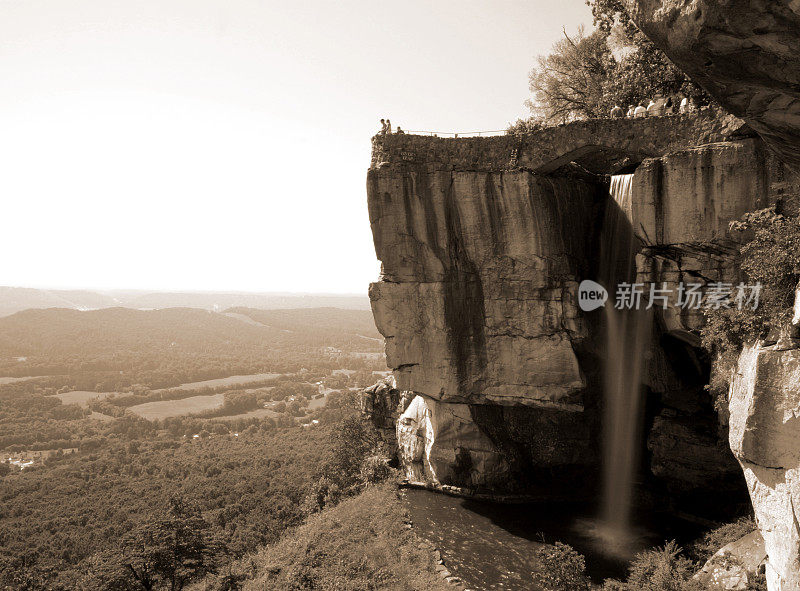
x,y
621,189
627,336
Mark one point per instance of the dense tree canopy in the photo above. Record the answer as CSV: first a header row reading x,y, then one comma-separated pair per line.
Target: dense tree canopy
x,y
586,75
164,552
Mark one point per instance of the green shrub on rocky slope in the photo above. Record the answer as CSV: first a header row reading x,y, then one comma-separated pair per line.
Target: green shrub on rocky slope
x,y
670,568
705,547
771,258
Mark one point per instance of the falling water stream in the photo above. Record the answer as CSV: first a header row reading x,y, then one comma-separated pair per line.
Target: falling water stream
x,y
627,334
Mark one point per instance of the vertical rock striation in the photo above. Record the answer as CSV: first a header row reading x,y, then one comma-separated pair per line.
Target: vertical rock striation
x,y
746,54
477,270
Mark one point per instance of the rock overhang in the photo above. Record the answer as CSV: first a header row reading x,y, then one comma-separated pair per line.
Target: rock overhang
x,y
745,54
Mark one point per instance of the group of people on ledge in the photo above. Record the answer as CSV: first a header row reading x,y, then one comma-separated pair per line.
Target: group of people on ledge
x,y
386,128
657,106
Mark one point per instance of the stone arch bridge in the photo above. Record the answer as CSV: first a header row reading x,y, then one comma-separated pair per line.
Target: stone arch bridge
x,y
601,146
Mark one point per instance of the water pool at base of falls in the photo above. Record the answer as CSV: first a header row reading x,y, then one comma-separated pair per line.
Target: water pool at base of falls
x,y
493,546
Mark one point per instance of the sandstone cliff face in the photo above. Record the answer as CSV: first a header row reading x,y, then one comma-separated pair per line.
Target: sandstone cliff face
x,y
477,304
764,405
682,205
477,301
745,53
478,269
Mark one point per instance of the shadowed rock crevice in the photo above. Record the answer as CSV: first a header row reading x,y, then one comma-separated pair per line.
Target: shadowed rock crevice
x,y
464,312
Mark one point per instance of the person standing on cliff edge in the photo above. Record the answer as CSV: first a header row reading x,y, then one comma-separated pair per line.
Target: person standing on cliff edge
x,y
383,127
388,127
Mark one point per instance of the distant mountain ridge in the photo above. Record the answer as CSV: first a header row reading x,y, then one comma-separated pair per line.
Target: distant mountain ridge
x,y
15,299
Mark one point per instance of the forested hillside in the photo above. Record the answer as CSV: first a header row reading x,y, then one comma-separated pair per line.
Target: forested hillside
x,y
106,445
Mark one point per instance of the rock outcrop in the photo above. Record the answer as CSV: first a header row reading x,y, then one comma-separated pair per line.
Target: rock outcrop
x,y
681,207
745,53
764,404
481,258
383,403
477,270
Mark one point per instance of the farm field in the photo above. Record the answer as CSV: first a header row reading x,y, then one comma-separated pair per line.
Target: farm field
x,y
228,382
173,408
83,397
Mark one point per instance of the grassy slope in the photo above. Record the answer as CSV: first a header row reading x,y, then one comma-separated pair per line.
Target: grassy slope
x,y
358,544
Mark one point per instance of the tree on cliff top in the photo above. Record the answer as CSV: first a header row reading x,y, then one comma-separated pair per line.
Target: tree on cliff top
x,y
642,70
569,82
586,75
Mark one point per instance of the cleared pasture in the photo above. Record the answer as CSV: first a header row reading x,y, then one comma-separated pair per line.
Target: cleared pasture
x,y
163,409
4,381
259,413
228,382
82,397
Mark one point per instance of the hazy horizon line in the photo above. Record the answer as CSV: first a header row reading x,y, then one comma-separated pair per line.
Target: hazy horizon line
x,y
187,291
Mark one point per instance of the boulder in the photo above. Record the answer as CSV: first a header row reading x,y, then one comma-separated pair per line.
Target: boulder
x,y
736,565
439,443
764,404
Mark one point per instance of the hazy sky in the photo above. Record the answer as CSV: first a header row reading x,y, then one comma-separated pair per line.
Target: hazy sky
x,y
223,145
